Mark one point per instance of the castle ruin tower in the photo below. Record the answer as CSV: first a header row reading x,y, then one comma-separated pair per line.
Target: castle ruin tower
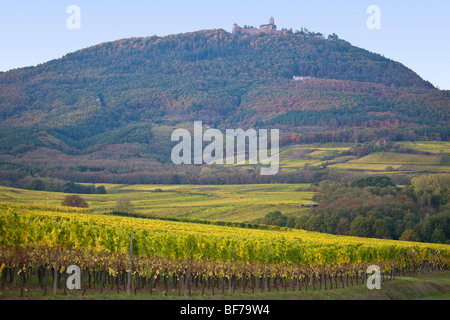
x,y
271,21
236,29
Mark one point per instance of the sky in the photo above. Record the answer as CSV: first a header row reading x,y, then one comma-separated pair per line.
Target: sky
x,y
415,33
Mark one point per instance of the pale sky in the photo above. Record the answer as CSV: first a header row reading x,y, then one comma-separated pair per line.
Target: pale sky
x,y
415,33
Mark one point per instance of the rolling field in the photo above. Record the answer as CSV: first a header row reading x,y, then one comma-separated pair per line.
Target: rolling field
x,y
401,162
236,203
296,157
437,147
433,157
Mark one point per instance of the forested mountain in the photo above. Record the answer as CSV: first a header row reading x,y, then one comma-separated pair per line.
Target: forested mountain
x,y
114,97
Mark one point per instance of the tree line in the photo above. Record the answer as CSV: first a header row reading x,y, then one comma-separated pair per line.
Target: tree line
x,y
375,207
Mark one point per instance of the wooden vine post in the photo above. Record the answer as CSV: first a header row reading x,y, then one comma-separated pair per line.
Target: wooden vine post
x,y
188,272
130,265
267,265
230,274
55,277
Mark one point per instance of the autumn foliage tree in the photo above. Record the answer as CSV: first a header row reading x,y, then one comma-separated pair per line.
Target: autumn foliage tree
x,y
74,201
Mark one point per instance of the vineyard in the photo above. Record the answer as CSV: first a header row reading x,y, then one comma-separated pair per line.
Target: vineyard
x,y
425,156
389,161
231,203
117,253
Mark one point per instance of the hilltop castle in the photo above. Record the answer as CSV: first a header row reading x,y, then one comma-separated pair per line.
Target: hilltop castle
x,y
270,28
